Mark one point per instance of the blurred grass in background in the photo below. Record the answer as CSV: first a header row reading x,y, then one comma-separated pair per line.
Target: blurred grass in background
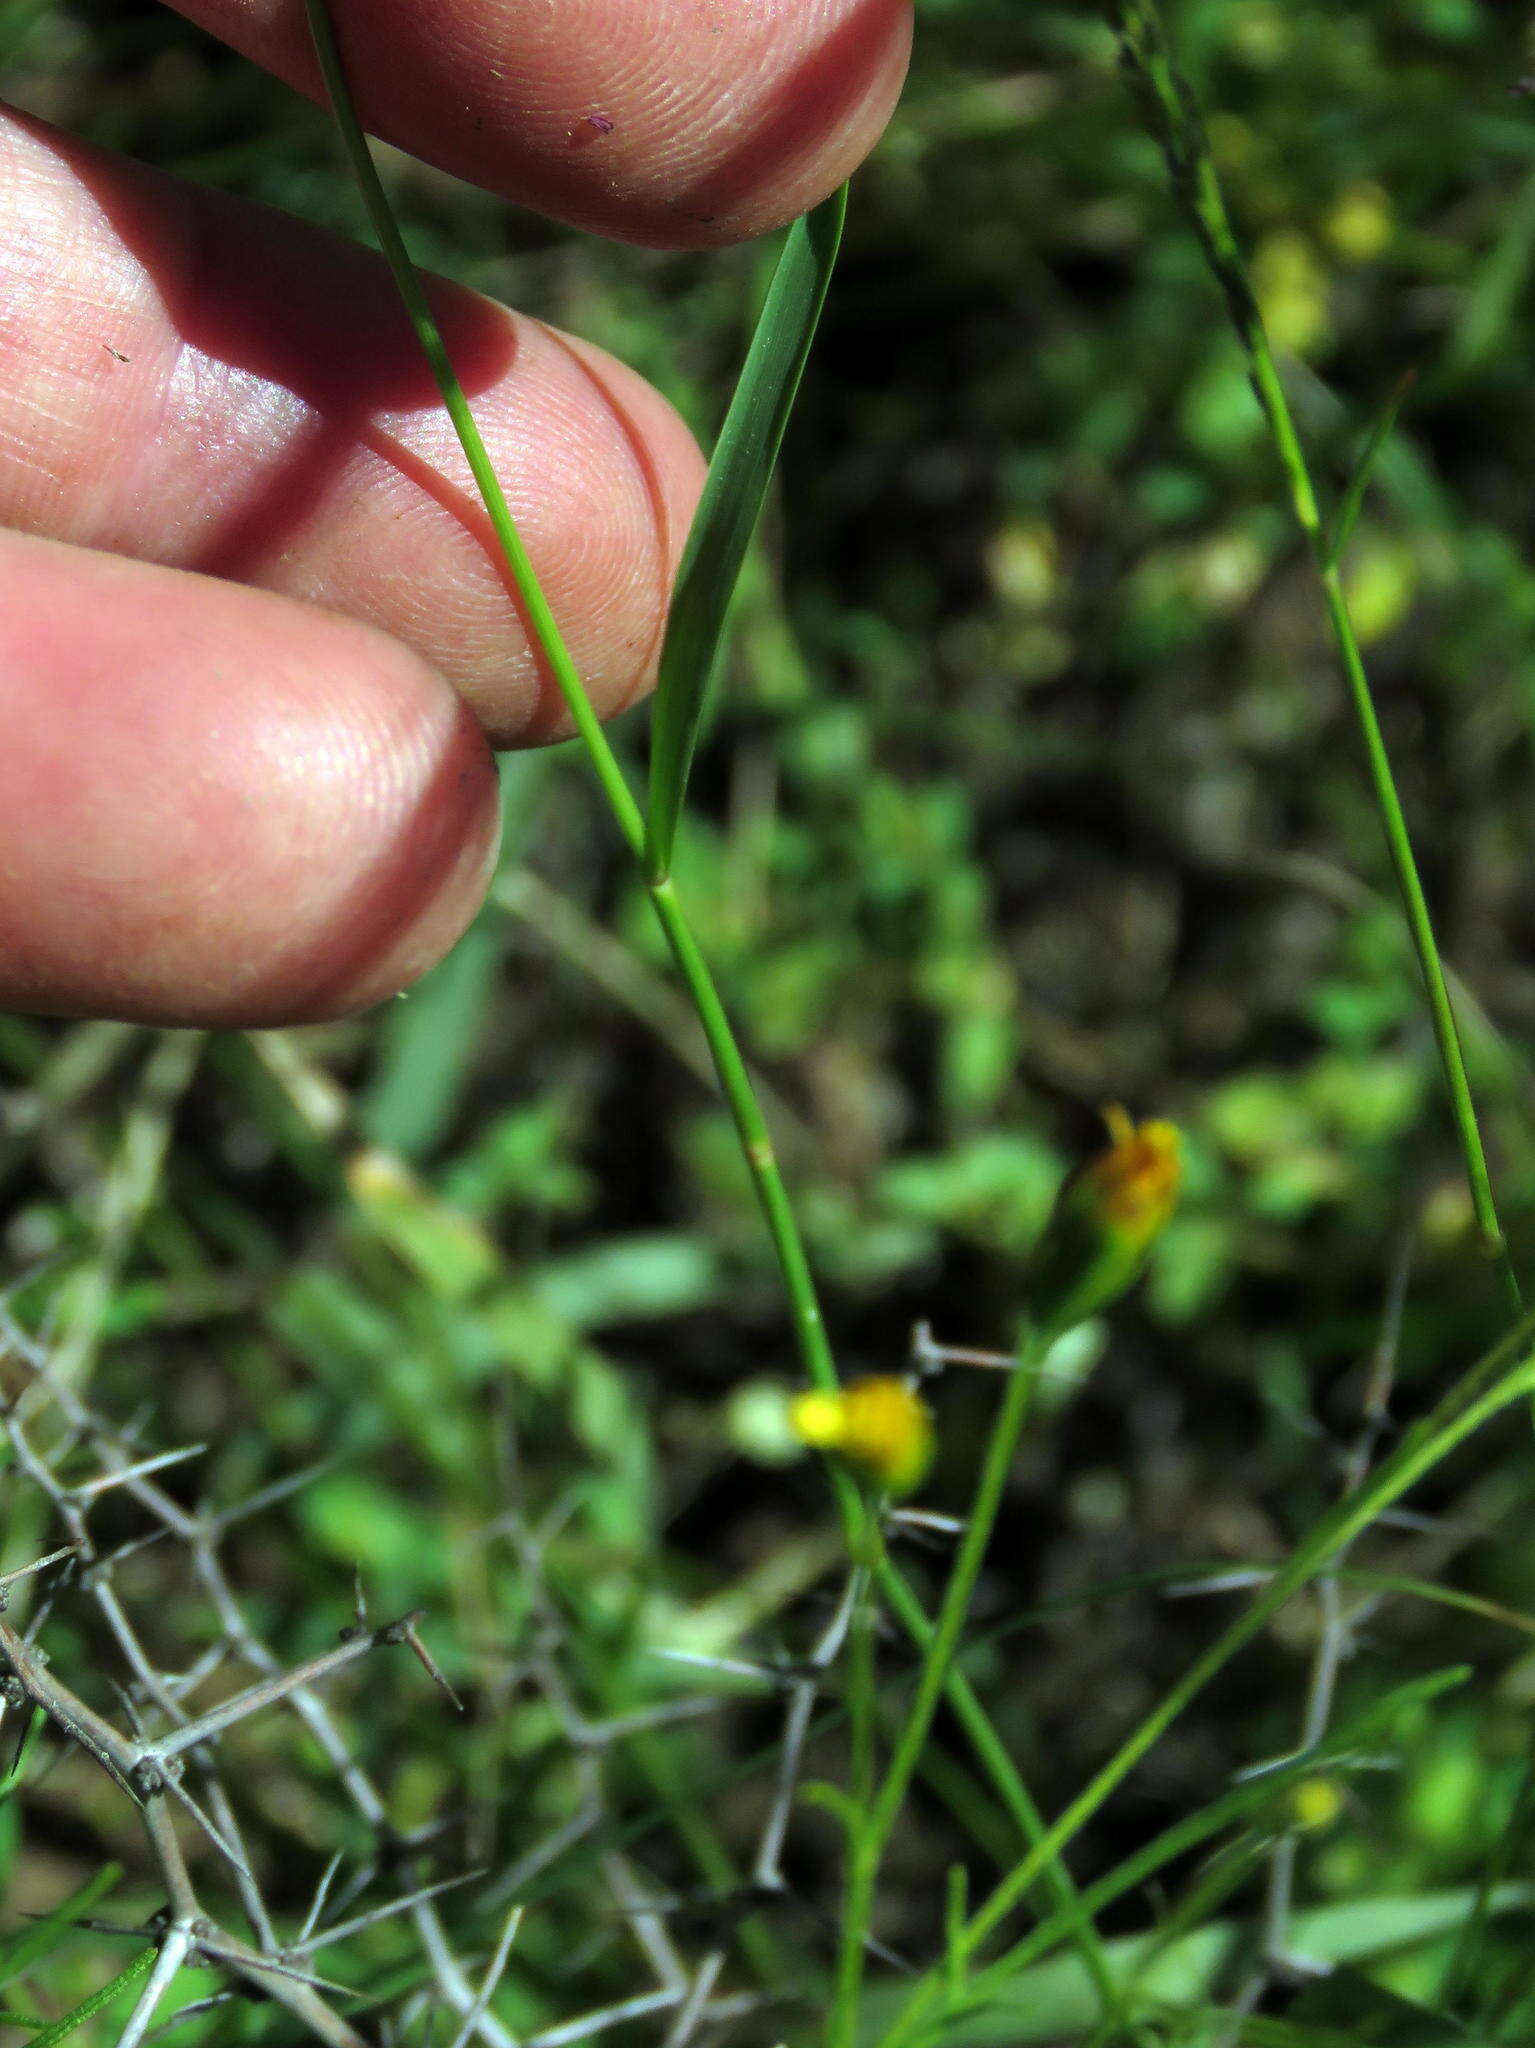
x,y
1032,785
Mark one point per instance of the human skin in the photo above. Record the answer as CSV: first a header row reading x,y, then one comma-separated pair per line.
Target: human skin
x,y
255,641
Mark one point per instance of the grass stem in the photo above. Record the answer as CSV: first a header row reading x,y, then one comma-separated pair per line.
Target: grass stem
x,y
1503,1375
729,1064
1173,119
875,1823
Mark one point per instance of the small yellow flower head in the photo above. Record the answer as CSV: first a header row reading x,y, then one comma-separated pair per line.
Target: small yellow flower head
x,y
879,1426
1136,1181
1315,1803
1104,1222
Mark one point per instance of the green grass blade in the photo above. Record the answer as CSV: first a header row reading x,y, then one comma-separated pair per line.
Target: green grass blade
x,y
729,1062
1364,468
18,21
63,2027
543,629
1054,2001
1469,1973
39,1942
1503,1375
739,473
1173,120
427,1047
1499,284
1252,1796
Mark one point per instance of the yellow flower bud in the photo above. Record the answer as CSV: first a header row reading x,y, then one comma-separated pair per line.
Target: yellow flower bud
x,y
1104,1221
879,1426
1137,1180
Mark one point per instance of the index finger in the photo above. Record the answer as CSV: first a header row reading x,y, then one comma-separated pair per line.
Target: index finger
x,y
674,123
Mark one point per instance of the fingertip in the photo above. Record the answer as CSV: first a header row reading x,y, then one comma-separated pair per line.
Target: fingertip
x,y
218,807
664,122
263,413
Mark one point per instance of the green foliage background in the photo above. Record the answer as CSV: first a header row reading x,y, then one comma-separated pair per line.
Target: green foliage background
x,y
1031,786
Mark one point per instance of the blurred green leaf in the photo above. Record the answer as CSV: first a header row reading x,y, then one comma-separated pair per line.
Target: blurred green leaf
x,y
626,1279
426,1046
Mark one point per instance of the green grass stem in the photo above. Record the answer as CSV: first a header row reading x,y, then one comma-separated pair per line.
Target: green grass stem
x,y
1005,1780
1173,119
1503,1375
735,1081
724,1049
875,1822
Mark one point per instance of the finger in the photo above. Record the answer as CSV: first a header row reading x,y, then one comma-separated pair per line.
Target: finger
x,y
677,123
218,806
193,380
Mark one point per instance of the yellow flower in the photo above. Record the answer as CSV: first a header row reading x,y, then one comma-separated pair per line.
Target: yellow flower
x,y
1137,1180
1104,1222
1315,1803
879,1426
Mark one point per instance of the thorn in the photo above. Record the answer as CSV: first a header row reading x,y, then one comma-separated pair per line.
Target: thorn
x,y
88,1489
41,1564
1237,1581
342,1930
924,1518
728,1667
428,1662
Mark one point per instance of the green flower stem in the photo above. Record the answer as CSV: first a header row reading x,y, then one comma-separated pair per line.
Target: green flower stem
x,y
1503,1375
991,1753
862,1685
751,1127
756,1145
730,1066
542,626
873,1824
1173,119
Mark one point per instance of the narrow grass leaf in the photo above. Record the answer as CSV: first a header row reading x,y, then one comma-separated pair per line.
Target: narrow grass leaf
x,y
87,2009
1470,1973
18,20
1250,1797
734,1077
543,629
739,473
1055,2000
427,1045
1499,284
1359,2010
1173,120
39,1941
1364,468
1503,1375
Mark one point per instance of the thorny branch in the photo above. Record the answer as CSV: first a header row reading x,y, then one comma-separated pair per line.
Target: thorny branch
x,y
166,1758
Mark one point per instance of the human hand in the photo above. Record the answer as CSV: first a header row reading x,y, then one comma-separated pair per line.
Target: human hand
x,y
253,629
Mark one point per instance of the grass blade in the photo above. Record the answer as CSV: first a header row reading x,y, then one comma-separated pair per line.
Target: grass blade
x,y
1173,120
739,473
730,1065
63,2027
1251,1796
1364,469
27,1950
1054,2001
1503,1375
